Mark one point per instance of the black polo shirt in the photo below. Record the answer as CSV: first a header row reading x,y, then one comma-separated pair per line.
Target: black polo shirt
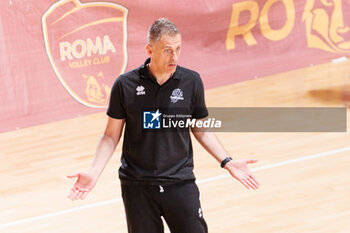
x,y
156,156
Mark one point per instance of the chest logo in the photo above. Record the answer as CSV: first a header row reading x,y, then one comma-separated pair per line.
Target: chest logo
x,y
176,95
140,90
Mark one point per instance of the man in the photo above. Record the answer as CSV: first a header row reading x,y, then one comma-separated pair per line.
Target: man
x,y
157,164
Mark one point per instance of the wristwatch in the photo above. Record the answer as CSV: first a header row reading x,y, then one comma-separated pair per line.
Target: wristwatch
x,y
226,160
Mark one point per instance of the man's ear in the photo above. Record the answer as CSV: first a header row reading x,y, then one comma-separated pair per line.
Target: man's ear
x,y
149,50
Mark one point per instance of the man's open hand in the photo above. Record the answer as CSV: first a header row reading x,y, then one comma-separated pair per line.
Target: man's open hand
x,y
82,186
239,170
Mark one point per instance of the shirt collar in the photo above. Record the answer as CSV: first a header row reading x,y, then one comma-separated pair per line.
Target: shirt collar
x,y
143,70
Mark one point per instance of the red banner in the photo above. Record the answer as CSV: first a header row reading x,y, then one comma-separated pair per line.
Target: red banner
x,y
59,58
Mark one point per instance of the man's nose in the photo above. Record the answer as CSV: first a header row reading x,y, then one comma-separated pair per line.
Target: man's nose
x,y
174,56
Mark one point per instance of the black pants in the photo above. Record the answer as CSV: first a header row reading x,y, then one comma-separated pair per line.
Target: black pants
x,y
178,203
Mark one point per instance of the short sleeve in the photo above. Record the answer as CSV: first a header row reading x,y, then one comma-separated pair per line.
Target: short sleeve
x,y
200,109
116,107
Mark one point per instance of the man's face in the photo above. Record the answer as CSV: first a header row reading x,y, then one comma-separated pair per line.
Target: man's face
x,y
165,53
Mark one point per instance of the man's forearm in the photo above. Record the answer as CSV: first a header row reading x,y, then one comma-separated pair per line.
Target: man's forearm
x,y
212,144
104,152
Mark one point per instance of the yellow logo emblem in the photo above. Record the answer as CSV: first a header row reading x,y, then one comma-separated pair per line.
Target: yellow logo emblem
x,y
325,25
86,46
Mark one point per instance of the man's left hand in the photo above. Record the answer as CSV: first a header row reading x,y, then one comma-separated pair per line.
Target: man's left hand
x,y
239,170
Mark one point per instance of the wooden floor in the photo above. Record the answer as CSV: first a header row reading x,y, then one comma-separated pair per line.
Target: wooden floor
x,y
299,194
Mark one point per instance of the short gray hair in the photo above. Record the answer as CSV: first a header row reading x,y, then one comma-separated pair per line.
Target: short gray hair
x,y
161,26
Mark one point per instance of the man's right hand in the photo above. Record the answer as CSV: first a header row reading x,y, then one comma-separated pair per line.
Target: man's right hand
x,y
87,180
82,186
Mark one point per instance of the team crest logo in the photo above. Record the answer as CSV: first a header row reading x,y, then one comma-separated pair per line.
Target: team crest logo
x,y
176,95
326,25
86,46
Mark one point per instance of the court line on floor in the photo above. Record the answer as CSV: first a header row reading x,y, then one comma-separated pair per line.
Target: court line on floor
x,y
287,162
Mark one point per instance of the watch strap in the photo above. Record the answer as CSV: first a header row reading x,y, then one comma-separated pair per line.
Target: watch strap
x,y
226,160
